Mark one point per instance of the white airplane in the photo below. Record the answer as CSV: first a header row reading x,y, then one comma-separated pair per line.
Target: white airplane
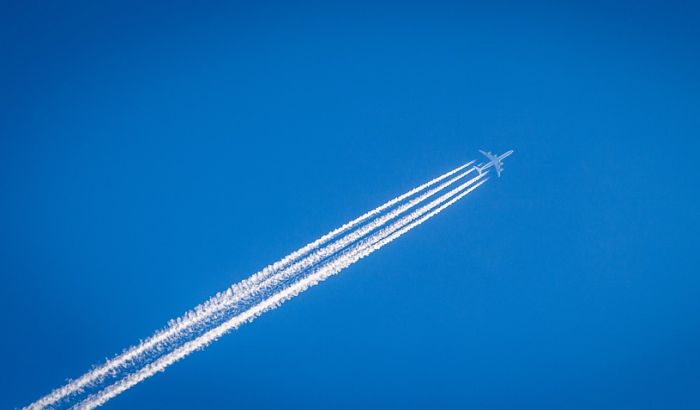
x,y
494,161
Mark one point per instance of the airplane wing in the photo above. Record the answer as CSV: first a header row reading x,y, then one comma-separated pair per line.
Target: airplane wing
x,y
493,160
489,155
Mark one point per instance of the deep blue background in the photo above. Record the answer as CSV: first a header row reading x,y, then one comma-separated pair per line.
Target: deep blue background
x,y
153,155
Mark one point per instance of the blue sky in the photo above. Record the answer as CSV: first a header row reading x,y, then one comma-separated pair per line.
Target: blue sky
x,y
152,155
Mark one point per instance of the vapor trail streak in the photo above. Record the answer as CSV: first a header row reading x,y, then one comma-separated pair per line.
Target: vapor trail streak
x,y
179,326
366,247
316,257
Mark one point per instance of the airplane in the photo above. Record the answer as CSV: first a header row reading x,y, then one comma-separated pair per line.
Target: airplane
x,y
494,161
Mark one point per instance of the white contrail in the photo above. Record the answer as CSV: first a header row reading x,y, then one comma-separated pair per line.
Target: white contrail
x,y
365,247
178,326
226,302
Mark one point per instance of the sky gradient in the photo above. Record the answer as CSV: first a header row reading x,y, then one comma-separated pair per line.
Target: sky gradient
x,y
152,155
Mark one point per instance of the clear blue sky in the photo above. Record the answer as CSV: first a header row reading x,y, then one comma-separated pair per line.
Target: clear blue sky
x,y
153,155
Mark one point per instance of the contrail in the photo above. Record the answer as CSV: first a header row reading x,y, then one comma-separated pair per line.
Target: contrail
x,y
323,253
237,292
269,288
263,288
347,258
